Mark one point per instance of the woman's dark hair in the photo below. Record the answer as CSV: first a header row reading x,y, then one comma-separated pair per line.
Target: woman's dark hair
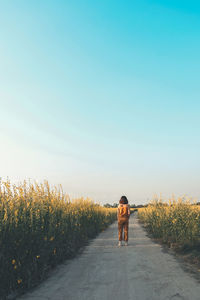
x,y
123,200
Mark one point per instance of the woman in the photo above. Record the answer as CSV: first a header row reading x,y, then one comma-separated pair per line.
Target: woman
x,y
123,214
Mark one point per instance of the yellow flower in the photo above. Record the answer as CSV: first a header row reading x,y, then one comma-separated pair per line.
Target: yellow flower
x,y
19,281
13,261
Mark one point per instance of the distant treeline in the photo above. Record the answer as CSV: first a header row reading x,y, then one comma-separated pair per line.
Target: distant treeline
x,y
141,205
131,205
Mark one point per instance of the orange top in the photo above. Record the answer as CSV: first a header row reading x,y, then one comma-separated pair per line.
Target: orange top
x,y
123,211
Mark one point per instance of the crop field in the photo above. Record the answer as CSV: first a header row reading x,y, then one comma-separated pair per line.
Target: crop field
x,y
39,228
176,223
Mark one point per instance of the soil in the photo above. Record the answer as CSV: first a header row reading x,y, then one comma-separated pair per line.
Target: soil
x,y
143,270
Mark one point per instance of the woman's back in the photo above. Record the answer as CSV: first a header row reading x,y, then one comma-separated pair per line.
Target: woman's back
x,y
123,210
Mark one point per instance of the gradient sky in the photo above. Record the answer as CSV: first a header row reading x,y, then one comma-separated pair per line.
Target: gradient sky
x,y
101,96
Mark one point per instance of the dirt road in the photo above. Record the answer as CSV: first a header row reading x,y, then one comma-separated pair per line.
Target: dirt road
x,y
141,271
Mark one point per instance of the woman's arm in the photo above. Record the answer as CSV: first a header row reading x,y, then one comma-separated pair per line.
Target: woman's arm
x,y
129,211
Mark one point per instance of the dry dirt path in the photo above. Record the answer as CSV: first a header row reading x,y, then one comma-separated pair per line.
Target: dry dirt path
x,y
141,271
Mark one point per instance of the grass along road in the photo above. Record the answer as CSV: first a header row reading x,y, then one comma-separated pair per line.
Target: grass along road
x,y
141,271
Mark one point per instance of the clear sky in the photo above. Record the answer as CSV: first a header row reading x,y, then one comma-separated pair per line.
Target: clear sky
x,y
101,96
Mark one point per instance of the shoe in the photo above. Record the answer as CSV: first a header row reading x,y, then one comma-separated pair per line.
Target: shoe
x,y
126,244
119,244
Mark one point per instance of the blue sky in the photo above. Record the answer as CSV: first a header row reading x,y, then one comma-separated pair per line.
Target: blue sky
x,y
101,96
